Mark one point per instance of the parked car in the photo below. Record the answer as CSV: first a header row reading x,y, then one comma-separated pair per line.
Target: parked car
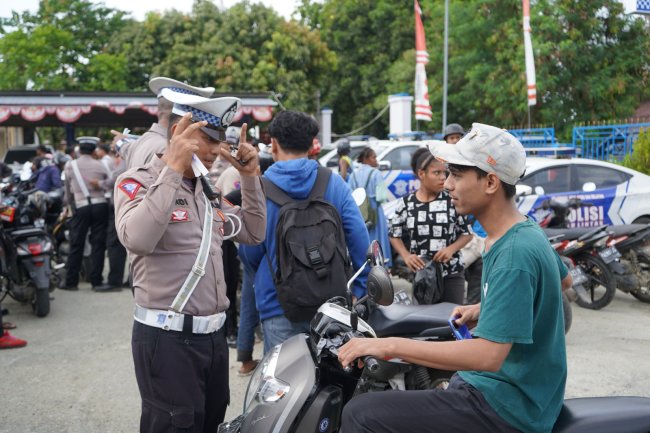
x,y
612,194
394,158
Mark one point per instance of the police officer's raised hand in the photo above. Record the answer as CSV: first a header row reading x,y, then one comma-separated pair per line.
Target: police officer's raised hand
x,y
246,160
183,144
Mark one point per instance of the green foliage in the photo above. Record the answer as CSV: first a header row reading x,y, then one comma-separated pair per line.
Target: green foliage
x,y
639,159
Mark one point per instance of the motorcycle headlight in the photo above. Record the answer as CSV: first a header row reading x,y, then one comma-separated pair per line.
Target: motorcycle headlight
x,y
264,387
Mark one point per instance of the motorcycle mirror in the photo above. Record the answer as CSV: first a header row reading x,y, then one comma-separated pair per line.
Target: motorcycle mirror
x,y
523,190
380,286
359,195
589,187
375,255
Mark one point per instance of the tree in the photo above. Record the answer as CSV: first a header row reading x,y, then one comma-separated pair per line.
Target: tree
x,y
247,48
55,48
591,59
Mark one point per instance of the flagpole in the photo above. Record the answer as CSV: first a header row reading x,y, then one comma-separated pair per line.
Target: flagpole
x,y
444,73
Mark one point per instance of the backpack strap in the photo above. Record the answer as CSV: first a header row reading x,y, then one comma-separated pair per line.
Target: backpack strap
x,y
322,179
279,197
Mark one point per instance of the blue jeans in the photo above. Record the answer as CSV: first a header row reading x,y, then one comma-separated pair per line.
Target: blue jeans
x,y
248,317
278,329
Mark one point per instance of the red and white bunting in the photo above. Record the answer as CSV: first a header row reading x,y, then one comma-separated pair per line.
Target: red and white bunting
x,y
530,60
422,106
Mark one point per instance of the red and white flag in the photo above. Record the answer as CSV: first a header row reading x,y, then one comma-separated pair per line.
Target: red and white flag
x,y
530,60
422,107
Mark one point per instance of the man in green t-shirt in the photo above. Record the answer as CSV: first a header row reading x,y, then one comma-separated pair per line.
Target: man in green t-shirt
x,y
512,373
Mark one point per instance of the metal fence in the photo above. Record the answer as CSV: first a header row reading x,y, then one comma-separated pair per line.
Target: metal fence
x,y
535,137
607,142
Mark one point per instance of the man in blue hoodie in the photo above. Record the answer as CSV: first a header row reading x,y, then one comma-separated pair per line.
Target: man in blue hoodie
x,y
292,134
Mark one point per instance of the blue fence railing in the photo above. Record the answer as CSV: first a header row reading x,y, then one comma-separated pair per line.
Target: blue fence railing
x,y
608,141
535,137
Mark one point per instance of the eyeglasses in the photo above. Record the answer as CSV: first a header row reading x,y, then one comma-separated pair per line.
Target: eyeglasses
x,y
441,173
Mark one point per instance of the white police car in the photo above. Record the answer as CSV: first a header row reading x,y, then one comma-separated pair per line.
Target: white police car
x,y
394,158
615,194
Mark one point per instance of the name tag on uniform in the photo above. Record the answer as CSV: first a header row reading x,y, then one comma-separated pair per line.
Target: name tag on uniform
x,y
179,215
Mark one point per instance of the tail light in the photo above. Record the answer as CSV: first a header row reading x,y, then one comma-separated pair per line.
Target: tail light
x,y
7,214
32,247
613,241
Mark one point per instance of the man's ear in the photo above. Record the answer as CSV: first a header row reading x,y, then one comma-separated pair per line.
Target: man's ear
x,y
275,146
492,184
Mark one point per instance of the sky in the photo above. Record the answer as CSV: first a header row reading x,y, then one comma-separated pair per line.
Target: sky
x,y
138,9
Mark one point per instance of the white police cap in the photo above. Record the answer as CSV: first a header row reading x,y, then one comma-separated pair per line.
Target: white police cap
x,y
218,112
87,142
157,84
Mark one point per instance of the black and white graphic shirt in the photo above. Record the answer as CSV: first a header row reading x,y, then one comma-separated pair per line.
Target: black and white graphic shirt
x,y
428,227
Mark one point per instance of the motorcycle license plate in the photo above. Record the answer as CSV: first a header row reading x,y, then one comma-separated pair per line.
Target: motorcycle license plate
x,y
578,275
609,254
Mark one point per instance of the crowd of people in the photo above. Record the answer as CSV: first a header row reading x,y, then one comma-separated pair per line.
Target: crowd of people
x,y
201,209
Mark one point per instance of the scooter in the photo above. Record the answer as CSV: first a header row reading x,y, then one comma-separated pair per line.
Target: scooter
x,y
300,385
25,268
631,244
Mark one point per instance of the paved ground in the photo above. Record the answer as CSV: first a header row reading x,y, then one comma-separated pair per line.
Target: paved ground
x,y
76,374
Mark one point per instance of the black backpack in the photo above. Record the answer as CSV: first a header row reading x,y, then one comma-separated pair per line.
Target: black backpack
x,y
313,264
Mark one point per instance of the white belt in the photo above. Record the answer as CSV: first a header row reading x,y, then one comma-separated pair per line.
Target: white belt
x,y
94,200
157,319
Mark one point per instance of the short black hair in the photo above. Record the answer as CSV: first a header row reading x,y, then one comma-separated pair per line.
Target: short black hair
x,y
294,131
365,153
417,155
508,189
43,148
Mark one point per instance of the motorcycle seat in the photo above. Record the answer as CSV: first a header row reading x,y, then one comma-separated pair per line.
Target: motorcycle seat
x,y
30,231
409,320
575,232
604,415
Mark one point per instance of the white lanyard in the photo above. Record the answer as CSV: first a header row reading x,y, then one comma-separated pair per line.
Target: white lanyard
x,y
198,270
80,180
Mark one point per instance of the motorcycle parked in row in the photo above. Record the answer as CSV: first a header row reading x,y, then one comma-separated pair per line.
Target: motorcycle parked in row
x,y
629,274
25,263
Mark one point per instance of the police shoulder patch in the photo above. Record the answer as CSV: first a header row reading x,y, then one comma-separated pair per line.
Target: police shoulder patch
x,y
129,187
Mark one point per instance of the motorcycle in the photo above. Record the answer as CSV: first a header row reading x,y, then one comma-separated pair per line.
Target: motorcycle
x,y
26,270
583,246
631,244
300,386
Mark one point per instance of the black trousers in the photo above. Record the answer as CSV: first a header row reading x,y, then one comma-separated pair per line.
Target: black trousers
x,y
454,288
231,276
460,408
183,379
95,218
473,276
116,252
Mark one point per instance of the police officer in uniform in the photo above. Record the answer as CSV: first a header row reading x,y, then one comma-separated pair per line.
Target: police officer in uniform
x,y
90,211
139,152
165,220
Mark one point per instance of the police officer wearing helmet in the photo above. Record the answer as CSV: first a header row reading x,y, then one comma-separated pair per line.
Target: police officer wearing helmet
x,y
173,232
90,211
453,132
